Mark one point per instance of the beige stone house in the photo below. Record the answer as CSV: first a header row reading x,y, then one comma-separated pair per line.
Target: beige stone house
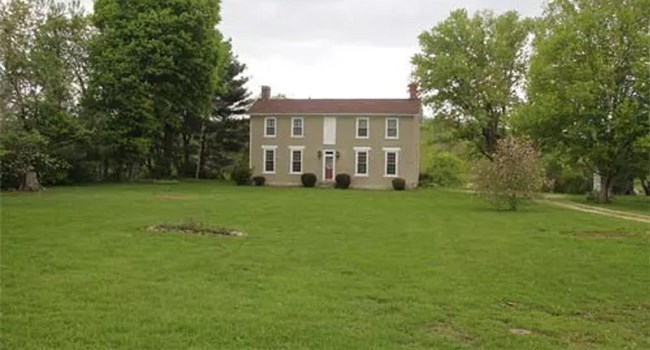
x,y
372,140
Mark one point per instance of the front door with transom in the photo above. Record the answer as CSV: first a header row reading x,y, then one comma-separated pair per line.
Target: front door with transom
x,y
328,165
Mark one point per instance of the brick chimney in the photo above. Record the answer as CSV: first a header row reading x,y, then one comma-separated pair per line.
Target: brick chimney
x,y
266,92
413,91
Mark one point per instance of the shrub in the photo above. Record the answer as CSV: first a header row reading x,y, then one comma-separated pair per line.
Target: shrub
x,y
567,176
446,169
342,181
515,174
308,179
425,180
241,174
259,180
399,184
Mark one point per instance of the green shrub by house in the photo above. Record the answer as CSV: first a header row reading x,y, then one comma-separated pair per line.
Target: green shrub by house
x,y
259,180
308,179
425,180
446,169
241,174
342,181
399,184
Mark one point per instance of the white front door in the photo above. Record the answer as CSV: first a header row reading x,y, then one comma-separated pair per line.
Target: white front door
x,y
329,165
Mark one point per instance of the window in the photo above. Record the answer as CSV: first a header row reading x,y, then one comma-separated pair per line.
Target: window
x,y
297,127
361,161
392,128
268,159
329,130
362,128
391,161
269,126
295,163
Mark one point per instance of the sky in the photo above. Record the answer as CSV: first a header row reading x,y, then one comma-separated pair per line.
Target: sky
x,y
337,48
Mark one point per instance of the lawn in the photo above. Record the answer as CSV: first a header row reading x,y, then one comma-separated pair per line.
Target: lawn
x,y
635,204
319,269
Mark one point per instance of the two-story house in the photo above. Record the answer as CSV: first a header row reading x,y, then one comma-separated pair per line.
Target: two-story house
x,y
372,140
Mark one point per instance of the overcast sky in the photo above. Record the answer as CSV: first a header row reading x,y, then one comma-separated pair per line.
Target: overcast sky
x,y
337,48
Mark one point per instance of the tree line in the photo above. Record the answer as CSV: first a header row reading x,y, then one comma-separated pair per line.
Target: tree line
x,y
138,89
576,81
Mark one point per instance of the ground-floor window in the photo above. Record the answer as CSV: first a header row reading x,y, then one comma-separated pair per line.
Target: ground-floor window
x,y
391,161
361,162
269,160
296,161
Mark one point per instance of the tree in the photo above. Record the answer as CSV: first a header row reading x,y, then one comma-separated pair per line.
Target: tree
x,y
225,134
590,84
154,70
515,174
443,157
39,89
471,69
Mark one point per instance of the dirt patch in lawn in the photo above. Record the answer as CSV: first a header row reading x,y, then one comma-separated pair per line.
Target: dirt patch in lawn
x,y
614,314
452,332
610,234
196,229
172,198
599,211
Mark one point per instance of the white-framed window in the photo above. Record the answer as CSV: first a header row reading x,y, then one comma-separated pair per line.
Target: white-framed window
x,y
268,159
391,161
392,128
363,128
270,126
297,126
329,131
295,159
361,160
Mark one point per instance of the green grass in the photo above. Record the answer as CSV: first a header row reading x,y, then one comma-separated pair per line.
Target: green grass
x,y
319,269
635,204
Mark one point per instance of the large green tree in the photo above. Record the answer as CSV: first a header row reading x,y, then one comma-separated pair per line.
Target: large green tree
x,y
590,85
42,71
154,67
226,133
471,70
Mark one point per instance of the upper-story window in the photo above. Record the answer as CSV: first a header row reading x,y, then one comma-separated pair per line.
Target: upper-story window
x,y
363,128
270,126
297,127
392,128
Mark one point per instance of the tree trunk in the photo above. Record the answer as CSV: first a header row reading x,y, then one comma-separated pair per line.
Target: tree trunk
x,y
200,160
134,171
186,166
105,169
168,152
646,186
605,188
30,182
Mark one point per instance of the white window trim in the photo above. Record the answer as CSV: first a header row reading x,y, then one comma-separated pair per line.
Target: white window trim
x,y
275,158
356,132
302,127
302,156
275,129
396,137
395,150
358,150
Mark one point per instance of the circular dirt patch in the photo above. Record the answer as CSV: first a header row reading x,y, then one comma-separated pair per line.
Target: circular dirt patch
x,y
196,229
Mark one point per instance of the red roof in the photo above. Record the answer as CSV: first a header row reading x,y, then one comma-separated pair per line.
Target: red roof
x,y
336,106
